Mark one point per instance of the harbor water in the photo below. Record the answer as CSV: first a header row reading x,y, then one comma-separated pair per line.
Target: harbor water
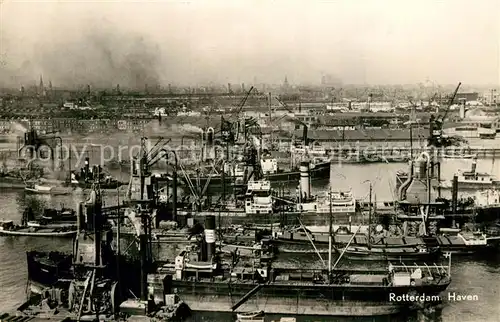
x,y
469,276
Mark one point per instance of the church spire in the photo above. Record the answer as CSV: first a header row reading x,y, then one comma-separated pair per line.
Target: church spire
x,y
41,88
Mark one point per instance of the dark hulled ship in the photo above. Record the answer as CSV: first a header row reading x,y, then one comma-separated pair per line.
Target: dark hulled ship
x,y
88,175
206,282
341,293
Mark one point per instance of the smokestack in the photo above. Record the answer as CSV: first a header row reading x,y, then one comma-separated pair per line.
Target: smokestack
x,y
243,87
422,169
118,88
209,145
146,90
22,91
210,236
170,88
462,110
203,146
474,165
88,89
229,91
305,184
304,136
86,166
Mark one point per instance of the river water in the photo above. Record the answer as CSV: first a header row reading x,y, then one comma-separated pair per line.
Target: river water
x,y
470,277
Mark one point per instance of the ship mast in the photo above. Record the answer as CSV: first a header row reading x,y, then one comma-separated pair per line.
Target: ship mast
x,y
330,236
370,218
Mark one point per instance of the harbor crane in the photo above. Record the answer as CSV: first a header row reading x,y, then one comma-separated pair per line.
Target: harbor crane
x,y
436,137
33,144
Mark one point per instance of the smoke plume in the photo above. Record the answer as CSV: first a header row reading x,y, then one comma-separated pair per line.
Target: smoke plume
x,y
102,56
187,129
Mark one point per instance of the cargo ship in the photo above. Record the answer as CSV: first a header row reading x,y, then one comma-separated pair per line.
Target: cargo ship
x,y
234,176
263,205
205,281
215,287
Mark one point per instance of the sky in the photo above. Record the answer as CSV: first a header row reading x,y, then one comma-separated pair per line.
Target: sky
x,y
238,41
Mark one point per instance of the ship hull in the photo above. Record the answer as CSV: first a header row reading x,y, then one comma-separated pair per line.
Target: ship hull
x,y
44,232
300,298
381,254
472,186
45,269
52,192
288,218
88,185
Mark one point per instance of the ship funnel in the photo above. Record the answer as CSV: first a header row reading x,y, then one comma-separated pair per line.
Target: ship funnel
x,y
304,136
209,143
305,183
210,236
133,168
474,165
462,111
86,167
423,162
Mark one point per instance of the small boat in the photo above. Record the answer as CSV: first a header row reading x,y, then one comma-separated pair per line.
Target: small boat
x,y
8,228
417,253
63,214
46,268
459,156
250,316
43,189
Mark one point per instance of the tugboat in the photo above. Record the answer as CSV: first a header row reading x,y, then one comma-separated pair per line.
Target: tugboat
x,y
473,180
88,176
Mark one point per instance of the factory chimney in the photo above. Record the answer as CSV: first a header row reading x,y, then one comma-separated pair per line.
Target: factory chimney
x,y
170,88
88,90
210,236
462,110
118,88
229,91
243,87
305,183
474,165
